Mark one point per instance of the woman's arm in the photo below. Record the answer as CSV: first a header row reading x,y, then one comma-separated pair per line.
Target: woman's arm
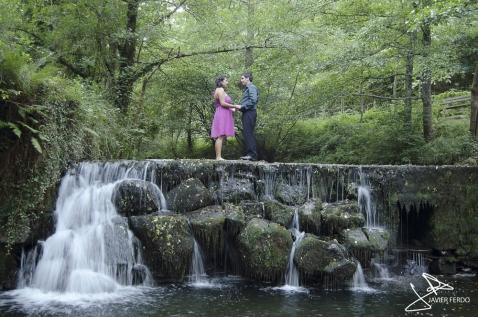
x,y
221,95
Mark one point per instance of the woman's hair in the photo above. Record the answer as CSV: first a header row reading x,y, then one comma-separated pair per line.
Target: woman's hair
x,y
219,81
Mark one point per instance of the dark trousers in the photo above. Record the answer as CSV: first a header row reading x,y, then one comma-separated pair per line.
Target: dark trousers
x,y
248,126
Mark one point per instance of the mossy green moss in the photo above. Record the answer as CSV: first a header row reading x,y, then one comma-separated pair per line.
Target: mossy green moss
x,y
278,213
167,244
264,248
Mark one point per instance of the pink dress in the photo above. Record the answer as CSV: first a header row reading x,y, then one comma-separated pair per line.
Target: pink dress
x,y
223,122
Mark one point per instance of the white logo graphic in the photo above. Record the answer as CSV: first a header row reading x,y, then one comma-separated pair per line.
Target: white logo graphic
x,y
435,285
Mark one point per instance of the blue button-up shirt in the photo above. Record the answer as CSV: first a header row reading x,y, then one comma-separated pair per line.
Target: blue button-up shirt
x,y
250,97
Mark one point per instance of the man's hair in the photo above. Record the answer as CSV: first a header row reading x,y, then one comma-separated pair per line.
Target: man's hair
x,y
248,75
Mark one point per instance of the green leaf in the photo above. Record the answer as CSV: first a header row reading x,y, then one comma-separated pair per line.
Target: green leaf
x,y
93,132
36,145
15,129
28,127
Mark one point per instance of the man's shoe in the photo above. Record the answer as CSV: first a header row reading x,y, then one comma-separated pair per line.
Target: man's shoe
x,y
246,158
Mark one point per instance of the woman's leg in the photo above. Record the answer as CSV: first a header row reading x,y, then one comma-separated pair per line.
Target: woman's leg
x,y
218,147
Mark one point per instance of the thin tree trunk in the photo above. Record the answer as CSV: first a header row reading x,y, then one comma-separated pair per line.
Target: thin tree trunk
x,y
127,52
249,57
409,81
426,83
474,105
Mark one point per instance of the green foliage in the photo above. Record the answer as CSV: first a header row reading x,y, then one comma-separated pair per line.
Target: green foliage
x,y
379,139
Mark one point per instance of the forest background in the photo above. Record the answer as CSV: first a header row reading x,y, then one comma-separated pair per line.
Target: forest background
x,y
341,81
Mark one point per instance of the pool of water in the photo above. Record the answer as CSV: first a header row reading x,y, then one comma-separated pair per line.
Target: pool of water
x,y
233,296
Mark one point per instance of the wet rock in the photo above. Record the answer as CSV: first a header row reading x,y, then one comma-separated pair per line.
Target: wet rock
x,y
363,243
253,209
117,245
190,195
207,225
317,258
235,219
167,244
310,216
339,216
377,238
140,274
264,247
291,194
236,190
134,197
278,213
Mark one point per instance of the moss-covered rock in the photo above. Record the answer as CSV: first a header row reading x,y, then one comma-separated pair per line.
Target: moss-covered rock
x,y
363,243
190,195
278,213
264,247
134,197
167,244
310,216
377,237
291,194
316,259
339,216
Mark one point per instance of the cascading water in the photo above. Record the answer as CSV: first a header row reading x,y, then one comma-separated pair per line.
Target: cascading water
x,y
292,274
92,250
381,270
198,276
365,202
359,283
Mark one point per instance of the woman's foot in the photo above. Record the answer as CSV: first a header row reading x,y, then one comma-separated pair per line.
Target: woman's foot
x,y
219,159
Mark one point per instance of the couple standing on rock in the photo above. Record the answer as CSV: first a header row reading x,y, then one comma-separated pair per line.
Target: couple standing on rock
x,y
223,122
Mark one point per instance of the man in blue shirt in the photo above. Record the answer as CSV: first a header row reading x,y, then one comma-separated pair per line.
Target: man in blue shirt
x,y
249,100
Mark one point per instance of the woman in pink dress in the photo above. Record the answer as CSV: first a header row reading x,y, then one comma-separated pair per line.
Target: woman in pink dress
x,y
223,122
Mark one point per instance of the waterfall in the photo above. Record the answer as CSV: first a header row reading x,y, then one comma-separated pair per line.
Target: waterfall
x,y
365,202
381,270
417,264
197,275
359,282
92,250
292,274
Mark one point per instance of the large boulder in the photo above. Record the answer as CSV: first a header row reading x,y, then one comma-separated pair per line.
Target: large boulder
x,y
310,216
190,195
291,194
236,190
134,197
207,225
167,244
363,243
264,247
316,259
278,213
339,216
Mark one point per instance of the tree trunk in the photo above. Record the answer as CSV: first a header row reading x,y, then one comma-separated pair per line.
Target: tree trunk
x,y
426,83
127,51
249,57
474,105
409,81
